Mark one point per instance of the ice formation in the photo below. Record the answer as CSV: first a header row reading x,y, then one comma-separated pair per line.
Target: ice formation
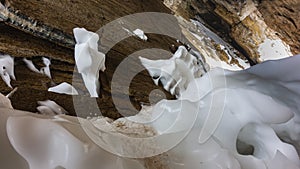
x,y
176,73
49,107
30,65
55,142
44,70
5,102
64,88
140,33
11,93
257,107
7,69
89,60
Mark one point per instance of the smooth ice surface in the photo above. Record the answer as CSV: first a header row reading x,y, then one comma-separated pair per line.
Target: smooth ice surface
x,y
177,72
258,106
89,60
64,88
48,106
253,106
51,143
7,69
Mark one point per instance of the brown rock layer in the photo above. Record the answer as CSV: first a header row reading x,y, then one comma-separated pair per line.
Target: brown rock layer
x,y
283,16
64,16
247,23
44,28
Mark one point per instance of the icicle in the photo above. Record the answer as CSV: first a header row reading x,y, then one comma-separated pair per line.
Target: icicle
x,y
30,65
177,72
89,60
57,109
7,69
44,70
64,88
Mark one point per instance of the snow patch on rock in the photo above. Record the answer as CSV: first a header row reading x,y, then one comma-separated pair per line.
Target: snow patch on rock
x,y
140,33
273,49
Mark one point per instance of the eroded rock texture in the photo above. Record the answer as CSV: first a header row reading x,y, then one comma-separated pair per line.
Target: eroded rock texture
x,y
283,17
33,29
247,24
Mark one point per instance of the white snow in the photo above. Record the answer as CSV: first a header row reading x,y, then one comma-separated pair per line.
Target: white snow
x,y
128,31
205,38
46,70
89,60
254,106
242,105
140,33
7,69
11,93
177,72
199,129
137,32
258,106
50,106
273,49
214,62
64,88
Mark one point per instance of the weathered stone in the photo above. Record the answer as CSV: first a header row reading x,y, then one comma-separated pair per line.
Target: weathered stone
x,y
283,17
64,16
248,27
213,49
249,23
21,44
44,28
55,20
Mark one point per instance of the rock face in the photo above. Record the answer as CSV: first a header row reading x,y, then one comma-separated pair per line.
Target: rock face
x,y
250,24
283,17
35,29
55,21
